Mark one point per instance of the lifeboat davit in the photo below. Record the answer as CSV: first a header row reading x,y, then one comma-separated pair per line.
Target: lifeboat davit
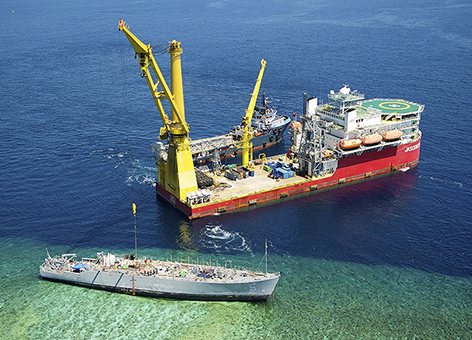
x,y
350,143
391,135
371,139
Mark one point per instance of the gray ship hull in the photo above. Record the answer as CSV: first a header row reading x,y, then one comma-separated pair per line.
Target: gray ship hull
x,y
237,288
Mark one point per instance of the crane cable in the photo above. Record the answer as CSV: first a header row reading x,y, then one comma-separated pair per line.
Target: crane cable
x,y
159,49
128,133
126,103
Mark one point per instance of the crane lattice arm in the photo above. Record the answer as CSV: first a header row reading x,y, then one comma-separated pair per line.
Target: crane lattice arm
x,y
177,125
246,123
252,103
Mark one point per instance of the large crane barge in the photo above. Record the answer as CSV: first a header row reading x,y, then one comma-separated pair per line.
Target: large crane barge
x,y
346,140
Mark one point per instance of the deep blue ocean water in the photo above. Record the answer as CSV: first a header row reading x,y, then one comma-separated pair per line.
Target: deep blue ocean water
x,y
386,258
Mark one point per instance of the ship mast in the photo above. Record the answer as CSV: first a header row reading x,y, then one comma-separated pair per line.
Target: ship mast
x,y
135,238
266,254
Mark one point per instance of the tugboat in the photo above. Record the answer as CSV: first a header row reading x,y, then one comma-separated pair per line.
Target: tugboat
x,y
268,127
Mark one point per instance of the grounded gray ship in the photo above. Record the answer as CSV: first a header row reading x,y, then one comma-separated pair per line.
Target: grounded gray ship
x,y
168,279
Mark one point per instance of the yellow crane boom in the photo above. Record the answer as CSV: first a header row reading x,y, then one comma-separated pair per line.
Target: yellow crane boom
x,y
177,173
146,59
246,123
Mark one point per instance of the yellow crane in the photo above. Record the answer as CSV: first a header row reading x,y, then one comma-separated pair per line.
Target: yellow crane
x,y
177,173
246,122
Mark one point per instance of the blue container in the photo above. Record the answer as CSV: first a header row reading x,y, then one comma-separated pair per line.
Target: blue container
x,y
283,173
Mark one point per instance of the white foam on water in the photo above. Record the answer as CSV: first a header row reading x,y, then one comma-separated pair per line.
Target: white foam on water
x,y
217,238
141,174
442,180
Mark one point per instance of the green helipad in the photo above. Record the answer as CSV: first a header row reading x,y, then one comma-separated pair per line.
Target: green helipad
x,y
391,105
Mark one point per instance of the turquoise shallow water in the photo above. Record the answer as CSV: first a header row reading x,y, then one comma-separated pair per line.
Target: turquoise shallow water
x,y
314,299
388,258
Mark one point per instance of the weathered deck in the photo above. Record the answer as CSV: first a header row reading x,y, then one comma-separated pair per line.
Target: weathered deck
x,y
230,189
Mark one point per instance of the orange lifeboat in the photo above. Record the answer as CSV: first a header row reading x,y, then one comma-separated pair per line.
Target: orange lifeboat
x,y
371,139
350,143
391,135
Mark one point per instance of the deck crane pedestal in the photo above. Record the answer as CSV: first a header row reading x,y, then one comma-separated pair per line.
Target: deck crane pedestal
x,y
177,172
